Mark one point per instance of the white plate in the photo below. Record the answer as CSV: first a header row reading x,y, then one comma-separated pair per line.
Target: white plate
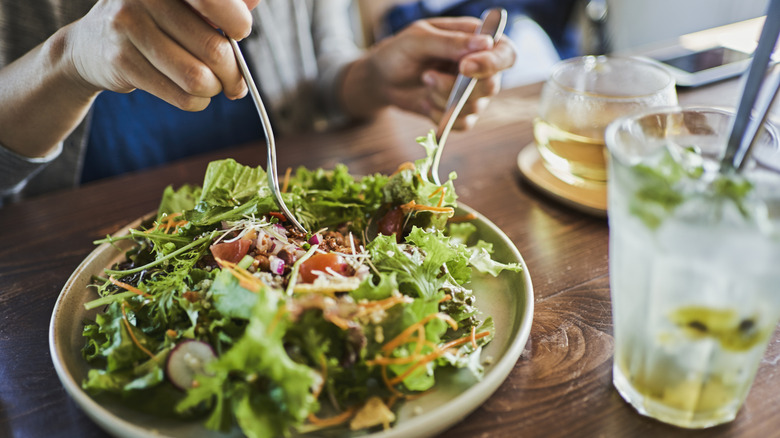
x,y
508,298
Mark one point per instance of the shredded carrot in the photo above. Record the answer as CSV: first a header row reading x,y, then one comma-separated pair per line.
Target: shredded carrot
x,y
404,166
286,181
132,335
440,190
413,206
389,385
462,218
167,223
245,279
336,320
434,355
379,305
129,288
435,192
463,340
383,360
387,302
447,297
332,421
404,335
400,378
420,340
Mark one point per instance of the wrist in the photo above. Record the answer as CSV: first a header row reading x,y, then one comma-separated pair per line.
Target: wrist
x,y
44,100
362,93
61,49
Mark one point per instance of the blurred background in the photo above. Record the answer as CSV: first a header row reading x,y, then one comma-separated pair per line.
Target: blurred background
x,y
546,31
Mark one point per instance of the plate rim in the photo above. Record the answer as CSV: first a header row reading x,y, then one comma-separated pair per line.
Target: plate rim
x,y
464,403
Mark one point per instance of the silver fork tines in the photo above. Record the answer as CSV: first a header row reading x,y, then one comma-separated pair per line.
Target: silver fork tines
x,y
273,175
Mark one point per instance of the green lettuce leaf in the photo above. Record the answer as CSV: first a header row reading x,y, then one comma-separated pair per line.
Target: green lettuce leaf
x,y
177,201
228,183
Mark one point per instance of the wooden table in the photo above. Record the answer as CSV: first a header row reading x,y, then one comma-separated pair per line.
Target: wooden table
x,y
561,386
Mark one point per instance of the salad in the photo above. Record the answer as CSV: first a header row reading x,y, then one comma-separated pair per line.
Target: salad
x,y
222,311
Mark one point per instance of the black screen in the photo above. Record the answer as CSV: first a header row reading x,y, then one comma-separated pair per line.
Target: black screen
x,y
698,61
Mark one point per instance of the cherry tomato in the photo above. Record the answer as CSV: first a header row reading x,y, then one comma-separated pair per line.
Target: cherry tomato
x,y
321,262
233,251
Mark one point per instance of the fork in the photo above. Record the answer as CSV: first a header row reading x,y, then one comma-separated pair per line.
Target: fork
x,y
493,23
273,174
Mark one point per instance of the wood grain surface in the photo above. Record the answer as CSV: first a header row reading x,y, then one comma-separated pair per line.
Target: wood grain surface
x,y
560,387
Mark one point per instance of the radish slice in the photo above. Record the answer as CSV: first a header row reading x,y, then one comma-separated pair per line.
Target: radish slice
x,y
187,360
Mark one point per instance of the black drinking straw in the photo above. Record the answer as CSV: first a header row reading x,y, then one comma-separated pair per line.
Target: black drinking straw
x,y
739,143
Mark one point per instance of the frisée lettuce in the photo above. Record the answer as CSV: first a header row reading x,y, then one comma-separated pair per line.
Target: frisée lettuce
x,y
308,331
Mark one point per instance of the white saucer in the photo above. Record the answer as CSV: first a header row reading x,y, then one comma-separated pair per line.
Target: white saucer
x,y
588,200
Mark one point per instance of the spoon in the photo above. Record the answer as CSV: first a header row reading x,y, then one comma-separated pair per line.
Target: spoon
x,y
273,174
493,24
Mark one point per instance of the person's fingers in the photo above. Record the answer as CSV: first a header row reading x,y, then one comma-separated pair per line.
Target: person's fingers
x,y
206,44
456,24
423,40
487,63
412,98
251,4
172,60
488,87
139,72
463,122
439,87
231,16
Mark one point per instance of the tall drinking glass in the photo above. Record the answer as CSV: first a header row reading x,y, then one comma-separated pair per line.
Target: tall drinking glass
x,y
694,261
580,98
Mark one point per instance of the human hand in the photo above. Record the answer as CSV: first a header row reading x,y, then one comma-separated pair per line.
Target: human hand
x,y
418,66
170,48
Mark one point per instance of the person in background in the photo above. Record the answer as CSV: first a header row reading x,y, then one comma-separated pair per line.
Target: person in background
x,y
94,89
555,17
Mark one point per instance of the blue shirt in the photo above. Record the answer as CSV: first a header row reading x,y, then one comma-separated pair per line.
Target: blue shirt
x,y
137,130
554,16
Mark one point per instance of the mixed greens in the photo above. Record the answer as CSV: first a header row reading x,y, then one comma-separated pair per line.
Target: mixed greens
x,y
222,311
675,174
